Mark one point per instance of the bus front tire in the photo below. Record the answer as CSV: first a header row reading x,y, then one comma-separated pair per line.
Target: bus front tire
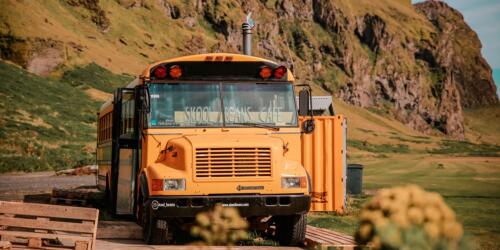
x,y
154,230
291,230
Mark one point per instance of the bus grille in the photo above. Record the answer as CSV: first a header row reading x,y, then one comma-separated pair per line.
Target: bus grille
x,y
233,162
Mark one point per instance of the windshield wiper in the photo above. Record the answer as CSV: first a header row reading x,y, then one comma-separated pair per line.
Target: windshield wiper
x,y
256,125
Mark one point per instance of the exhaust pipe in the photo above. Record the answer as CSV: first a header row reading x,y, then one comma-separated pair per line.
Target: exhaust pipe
x,y
246,28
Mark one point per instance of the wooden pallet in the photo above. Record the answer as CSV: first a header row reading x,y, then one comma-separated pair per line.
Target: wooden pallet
x,y
73,197
5,245
68,202
73,193
48,226
320,237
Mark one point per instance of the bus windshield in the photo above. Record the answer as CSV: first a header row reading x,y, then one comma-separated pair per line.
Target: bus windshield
x,y
216,104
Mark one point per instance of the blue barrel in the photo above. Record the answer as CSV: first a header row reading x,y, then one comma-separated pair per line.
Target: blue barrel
x,y
354,179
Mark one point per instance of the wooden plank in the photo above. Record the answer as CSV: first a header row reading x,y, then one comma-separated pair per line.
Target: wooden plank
x,y
5,245
43,210
81,245
42,219
325,238
323,230
35,242
94,236
47,225
333,236
337,237
28,235
314,239
70,202
331,241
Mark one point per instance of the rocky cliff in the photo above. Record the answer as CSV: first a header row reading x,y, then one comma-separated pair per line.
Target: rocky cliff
x,y
420,63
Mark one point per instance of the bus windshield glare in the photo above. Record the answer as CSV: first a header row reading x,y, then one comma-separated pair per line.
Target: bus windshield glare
x,y
208,104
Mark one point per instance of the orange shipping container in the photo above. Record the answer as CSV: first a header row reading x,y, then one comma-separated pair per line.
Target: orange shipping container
x,y
324,157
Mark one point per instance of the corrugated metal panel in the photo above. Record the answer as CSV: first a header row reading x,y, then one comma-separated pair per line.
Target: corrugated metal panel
x,y
318,102
323,156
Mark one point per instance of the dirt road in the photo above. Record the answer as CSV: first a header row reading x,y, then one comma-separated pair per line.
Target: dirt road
x,y
14,187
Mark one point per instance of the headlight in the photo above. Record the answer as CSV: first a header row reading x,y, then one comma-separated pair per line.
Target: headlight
x,y
174,184
294,182
168,184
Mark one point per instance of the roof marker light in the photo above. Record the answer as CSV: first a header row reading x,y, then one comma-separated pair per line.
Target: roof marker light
x,y
160,72
279,72
175,71
265,72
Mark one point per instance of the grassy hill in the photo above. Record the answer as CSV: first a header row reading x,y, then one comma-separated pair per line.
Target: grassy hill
x,y
466,173
48,123
84,47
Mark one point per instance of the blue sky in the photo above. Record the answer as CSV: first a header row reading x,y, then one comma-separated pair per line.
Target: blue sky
x,y
484,18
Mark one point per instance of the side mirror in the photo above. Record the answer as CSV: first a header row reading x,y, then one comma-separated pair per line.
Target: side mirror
x,y
304,99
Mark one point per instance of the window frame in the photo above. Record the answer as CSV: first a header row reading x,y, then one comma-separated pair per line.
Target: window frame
x,y
221,98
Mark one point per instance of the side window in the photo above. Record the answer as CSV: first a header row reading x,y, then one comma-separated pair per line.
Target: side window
x,y
128,115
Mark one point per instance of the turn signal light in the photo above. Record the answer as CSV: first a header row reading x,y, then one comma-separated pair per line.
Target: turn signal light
x,y
160,72
157,185
303,182
265,72
279,72
175,71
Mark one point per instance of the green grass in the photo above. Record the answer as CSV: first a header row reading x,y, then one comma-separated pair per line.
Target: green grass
x,y
466,148
374,148
346,224
468,184
402,139
93,75
47,124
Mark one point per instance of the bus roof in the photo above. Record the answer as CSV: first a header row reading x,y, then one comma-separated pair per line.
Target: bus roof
x,y
226,57
211,57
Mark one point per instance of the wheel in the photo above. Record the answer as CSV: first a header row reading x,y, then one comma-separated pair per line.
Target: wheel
x,y
154,230
139,211
291,229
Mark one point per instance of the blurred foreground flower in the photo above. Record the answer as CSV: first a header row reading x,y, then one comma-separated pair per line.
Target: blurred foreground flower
x,y
220,226
409,218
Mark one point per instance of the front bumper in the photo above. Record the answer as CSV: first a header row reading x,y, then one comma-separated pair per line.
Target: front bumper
x,y
248,205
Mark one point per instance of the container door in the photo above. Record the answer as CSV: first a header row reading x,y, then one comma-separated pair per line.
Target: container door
x,y
125,151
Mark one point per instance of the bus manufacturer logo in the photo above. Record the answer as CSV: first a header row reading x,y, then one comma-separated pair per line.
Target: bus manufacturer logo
x,y
155,204
240,187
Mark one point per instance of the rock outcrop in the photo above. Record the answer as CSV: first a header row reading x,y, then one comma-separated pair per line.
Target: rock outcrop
x,y
419,63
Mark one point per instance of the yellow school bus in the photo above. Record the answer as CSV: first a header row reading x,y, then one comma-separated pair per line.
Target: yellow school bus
x,y
194,131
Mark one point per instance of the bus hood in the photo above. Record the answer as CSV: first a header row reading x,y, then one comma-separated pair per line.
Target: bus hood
x,y
224,158
234,141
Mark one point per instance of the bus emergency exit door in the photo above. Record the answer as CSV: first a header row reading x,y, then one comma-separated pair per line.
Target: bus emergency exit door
x,y
125,152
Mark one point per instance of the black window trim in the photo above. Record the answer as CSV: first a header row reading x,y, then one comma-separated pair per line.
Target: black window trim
x,y
221,97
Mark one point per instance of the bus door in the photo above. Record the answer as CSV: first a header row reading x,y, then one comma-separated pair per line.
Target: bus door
x,y
125,159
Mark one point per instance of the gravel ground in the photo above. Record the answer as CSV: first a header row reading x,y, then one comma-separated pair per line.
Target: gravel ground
x,y
14,187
